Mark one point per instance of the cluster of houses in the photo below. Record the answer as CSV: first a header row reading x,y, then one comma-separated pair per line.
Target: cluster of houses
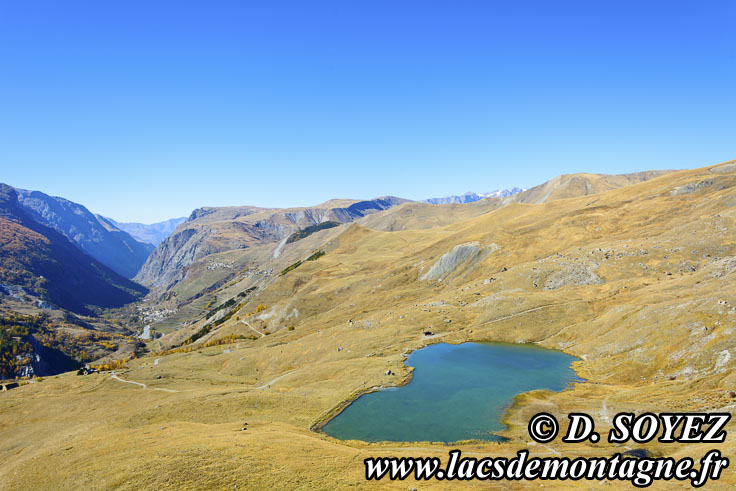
x,y
215,266
150,315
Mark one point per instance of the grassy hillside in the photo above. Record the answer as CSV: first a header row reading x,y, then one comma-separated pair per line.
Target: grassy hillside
x,y
637,281
210,231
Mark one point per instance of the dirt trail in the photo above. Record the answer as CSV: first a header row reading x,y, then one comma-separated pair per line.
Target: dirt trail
x,y
253,329
268,385
528,311
115,377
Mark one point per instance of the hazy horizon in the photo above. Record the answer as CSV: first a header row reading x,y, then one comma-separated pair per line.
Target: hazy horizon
x,y
185,215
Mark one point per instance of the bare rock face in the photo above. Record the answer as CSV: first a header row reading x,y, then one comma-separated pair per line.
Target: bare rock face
x,y
212,230
459,257
692,187
726,168
713,184
167,265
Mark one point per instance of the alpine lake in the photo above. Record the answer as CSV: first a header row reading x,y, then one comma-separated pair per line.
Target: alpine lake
x,y
457,392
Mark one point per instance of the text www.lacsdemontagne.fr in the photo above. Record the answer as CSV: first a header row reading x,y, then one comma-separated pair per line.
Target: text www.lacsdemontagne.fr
x,y
641,472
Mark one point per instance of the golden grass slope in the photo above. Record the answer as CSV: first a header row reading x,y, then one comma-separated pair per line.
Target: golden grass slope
x,y
574,185
416,215
638,282
212,230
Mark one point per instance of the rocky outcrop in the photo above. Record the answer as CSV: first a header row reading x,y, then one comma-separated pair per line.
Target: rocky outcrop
x,y
725,168
712,184
692,187
167,265
456,259
573,274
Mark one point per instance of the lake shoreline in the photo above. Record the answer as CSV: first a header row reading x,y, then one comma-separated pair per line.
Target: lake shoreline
x,y
505,419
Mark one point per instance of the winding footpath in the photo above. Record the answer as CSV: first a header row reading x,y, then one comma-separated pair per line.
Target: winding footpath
x,y
253,329
268,385
115,377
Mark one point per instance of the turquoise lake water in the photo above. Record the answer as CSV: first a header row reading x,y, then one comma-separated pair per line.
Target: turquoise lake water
x,y
457,392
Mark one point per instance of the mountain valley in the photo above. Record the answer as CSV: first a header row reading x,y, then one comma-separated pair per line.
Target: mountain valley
x,y
154,233
94,236
279,318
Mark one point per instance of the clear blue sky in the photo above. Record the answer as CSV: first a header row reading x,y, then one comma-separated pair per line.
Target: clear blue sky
x,y
146,110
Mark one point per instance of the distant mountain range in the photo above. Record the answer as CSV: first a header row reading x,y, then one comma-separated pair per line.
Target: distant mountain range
x,y
154,233
113,247
159,255
40,259
217,229
471,197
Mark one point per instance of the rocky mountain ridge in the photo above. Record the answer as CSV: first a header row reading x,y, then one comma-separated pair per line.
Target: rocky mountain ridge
x,y
471,197
99,238
216,229
37,258
633,275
